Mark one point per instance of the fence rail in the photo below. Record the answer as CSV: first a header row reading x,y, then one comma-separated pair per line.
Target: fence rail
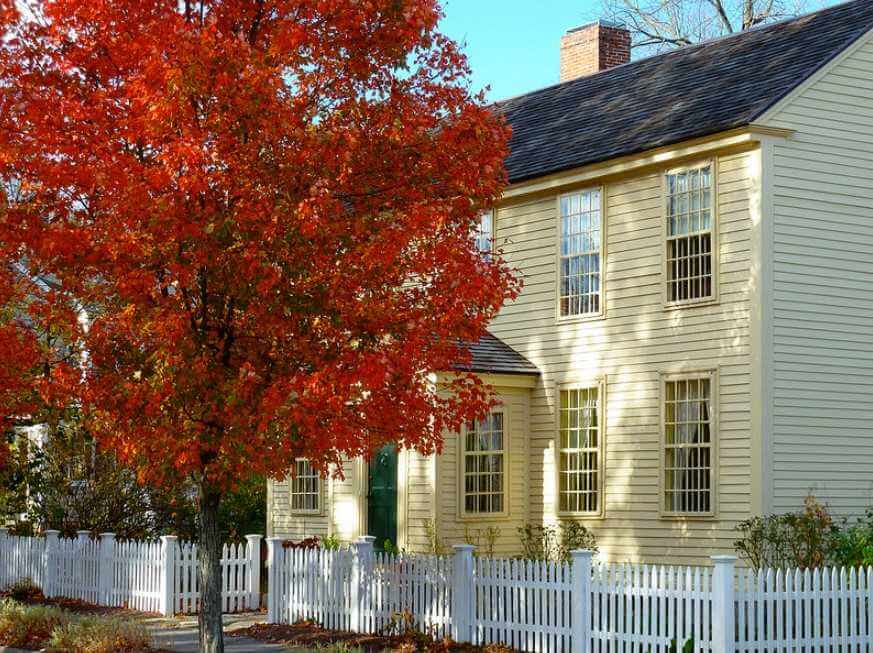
x,y
152,576
578,607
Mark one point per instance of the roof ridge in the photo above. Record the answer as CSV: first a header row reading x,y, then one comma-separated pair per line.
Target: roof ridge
x,y
686,48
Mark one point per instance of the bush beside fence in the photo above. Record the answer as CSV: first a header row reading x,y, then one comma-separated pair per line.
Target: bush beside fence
x,y
578,607
153,576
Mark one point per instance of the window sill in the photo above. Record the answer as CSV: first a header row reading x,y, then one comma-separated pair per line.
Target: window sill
x,y
484,517
580,319
708,517
678,306
582,516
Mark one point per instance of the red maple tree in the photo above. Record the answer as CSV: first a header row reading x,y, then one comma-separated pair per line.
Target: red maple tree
x,y
266,209
36,371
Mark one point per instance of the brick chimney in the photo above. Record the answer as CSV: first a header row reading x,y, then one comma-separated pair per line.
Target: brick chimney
x,y
591,48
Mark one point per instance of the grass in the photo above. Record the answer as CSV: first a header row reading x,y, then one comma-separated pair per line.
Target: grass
x,y
100,635
38,626
28,626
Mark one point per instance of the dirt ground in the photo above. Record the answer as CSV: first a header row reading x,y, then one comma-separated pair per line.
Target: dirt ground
x,y
307,635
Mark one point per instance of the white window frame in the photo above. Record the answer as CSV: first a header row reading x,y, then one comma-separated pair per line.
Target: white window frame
x,y
688,375
713,298
480,233
600,385
601,312
462,459
319,494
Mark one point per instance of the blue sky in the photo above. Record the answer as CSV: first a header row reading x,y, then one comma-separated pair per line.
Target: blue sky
x,y
513,44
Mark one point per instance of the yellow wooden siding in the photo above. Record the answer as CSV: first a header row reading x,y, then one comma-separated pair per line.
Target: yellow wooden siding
x,y
823,291
637,341
453,528
347,502
282,522
421,493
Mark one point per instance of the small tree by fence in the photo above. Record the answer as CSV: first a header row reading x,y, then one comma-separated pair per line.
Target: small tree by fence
x,y
153,576
575,607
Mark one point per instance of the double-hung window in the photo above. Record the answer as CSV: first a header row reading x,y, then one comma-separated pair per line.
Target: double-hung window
x,y
689,445
580,441
485,233
581,261
690,236
305,488
484,466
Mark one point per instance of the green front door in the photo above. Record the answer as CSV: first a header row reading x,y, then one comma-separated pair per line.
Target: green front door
x,y
382,497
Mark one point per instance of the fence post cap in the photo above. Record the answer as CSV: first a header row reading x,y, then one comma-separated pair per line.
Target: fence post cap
x,y
723,559
367,539
52,534
83,533
578,554
107,536
275,538
463,548
254,536
169,538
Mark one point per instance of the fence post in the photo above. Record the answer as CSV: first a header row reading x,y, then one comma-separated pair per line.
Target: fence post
x,y
168,572
580,596
362,556
274,592
4,557
254,552
50,563
106,570
723,633
81,566
463,591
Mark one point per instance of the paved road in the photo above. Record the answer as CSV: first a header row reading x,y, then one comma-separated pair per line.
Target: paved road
x,y
180,635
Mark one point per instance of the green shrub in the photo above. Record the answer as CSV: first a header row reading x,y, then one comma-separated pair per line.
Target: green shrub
x,y
330,543
852,545
435,544
555,542
28,626
484,540
805,540
100,635
25,590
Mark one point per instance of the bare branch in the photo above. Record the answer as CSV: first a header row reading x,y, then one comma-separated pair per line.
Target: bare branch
x,y
659,25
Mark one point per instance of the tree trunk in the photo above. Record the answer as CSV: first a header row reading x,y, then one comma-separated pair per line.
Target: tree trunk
x,y
209,572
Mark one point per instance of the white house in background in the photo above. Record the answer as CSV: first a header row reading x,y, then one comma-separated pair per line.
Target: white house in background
x,y
694,342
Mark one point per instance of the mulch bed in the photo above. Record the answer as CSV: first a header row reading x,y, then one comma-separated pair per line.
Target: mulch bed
x,y
72,605
310,635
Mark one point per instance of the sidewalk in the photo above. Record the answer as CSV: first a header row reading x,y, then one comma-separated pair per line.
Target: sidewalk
x,y
180,634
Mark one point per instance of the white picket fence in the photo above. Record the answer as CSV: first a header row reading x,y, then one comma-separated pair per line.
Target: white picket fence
x,y
240,572
152,576
579,607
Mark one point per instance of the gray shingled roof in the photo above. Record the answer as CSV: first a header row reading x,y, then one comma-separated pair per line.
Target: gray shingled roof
x,y
687,93
492,355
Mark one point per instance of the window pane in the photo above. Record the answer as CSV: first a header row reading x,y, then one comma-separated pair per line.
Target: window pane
x,y
485,233
579,455
305,487
580,253
688,455
689,235
484,465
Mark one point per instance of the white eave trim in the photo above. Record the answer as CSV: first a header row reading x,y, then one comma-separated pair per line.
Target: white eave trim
x,y
662,156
